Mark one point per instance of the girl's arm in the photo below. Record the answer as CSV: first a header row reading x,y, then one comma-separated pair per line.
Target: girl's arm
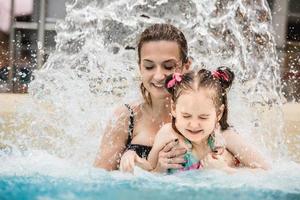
x,y
162,138
158,158
129,159
245,152
166,152
113,142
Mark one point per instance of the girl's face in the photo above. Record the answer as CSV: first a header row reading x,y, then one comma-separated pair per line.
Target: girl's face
x,y
196,114
158,60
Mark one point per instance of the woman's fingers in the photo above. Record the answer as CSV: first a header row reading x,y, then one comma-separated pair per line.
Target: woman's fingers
x,y
176,152
178,160
219,150
172,156
174,166
171,163
170,145
214,161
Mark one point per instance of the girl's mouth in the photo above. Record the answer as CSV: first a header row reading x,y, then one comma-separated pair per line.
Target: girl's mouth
x,y
194,131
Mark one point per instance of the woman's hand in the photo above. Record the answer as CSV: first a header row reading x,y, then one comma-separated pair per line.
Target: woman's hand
x,y
170,157
130,159
217,161
214,161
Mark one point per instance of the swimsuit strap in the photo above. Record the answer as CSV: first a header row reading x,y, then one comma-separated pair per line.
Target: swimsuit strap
x,y
211,142
131,124
186,141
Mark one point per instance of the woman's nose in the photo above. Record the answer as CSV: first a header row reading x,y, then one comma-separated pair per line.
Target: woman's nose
x,y
159,74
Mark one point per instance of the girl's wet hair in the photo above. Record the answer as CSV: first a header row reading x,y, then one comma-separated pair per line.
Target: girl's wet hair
x,y
218,81
159,32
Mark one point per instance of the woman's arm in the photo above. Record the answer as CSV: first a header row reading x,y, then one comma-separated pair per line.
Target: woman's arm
x,y
113,142
245,152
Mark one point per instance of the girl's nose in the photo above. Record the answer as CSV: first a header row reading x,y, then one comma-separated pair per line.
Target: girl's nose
x,y
194,124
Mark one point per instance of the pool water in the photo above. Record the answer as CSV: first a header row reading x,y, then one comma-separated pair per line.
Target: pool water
x,y
57,179
203,187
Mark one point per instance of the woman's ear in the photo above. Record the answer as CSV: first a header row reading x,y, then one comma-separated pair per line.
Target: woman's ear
x,y
220,112
187,66
173,108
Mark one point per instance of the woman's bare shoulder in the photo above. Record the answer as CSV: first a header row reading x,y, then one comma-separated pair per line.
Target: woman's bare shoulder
x,y
126,108
119,118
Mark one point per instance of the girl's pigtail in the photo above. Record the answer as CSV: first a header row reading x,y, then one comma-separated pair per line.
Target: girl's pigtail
x,y
225,75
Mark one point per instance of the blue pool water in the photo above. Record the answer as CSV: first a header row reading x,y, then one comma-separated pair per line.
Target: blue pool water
x,y
97,184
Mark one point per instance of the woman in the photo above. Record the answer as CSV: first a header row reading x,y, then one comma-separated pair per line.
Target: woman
x,y
162,50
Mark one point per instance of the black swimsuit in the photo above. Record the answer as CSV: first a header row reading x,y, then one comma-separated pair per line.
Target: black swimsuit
x,y
141,150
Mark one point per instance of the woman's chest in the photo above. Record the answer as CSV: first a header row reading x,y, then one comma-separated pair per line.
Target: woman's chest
x,y
144,133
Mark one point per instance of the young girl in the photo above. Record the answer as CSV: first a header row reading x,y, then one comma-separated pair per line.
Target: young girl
x,y
199,110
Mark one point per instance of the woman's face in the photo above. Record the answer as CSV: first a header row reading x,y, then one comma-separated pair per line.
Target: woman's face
x,y
196,114
158,60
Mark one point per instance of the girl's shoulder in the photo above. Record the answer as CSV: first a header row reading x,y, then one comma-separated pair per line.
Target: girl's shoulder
x,y
165,130
165,135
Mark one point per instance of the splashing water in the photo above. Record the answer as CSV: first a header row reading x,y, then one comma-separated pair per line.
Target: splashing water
x,y
55,136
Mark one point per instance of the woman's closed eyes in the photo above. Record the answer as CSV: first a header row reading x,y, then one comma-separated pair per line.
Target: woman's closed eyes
x,y
167,65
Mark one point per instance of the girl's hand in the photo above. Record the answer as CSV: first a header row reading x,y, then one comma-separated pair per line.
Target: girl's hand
x,y
130,159
170,157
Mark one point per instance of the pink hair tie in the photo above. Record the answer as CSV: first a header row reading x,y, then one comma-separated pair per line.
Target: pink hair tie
x,y
220,75
177,78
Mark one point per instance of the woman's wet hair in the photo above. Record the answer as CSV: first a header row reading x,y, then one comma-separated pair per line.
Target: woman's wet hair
x,y
167,32
218,81
160,32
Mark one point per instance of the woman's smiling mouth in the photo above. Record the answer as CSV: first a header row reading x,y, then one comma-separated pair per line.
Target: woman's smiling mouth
x,y
160,86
